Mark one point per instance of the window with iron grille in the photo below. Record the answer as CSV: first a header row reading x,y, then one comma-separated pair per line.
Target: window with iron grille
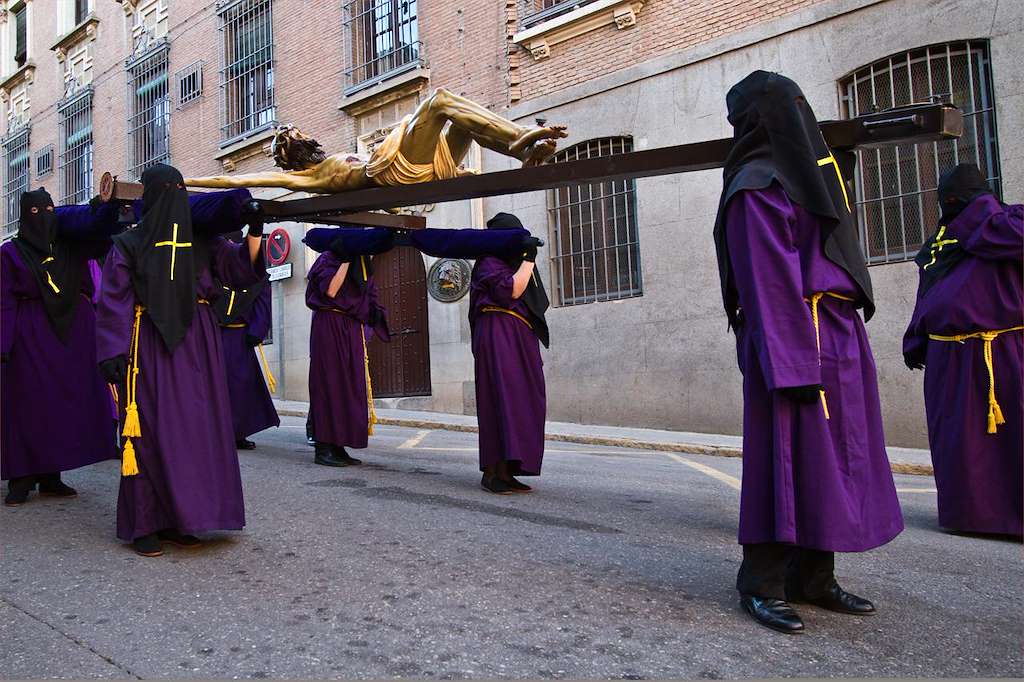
x,y
75,161
16,166
150,111
538,11
896,200
190,83
44,161
595,252
247,74
384,40
21,36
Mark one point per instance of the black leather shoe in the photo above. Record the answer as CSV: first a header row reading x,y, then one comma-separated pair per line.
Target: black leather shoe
x,y
773,613
148,545
342,454
518,486
180,539
244,444
18,490
54,487
839,600
325,456
496,486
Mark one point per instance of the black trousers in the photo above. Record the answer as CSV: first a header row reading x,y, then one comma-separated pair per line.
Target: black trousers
x,y
776,571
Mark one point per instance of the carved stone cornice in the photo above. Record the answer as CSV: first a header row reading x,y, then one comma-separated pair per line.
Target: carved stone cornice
x,y
25,74
395,88
538,40
83,32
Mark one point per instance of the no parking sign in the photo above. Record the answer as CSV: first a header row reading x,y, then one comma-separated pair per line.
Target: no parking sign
x,y
279,245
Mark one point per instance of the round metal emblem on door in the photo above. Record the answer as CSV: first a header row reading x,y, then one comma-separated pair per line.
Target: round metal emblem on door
x,y
448,279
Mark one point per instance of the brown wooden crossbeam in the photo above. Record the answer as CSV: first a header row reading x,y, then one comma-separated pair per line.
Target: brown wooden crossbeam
x,y
904,125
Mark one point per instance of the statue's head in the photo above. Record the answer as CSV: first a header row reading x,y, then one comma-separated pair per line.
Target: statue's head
x,y
294,151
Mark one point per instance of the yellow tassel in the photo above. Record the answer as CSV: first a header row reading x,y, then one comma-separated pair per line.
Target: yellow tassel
x,y
129,466
271,381
132,427
998,413
824,404
371,412
991,422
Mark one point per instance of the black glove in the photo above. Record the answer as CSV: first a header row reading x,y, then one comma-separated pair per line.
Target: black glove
x,y
530,254
914,360
802,394
376,317
95,202
337,247
115,370
252,341
253,215
4,357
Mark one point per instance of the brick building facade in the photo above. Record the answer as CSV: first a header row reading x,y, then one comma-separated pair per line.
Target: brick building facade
x,y
639,337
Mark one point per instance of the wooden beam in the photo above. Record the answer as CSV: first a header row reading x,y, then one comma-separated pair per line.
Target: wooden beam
x,y
275,210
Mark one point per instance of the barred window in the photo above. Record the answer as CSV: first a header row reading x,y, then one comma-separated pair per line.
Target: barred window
x,y
384,40
595,252
537,11
75,162
44,161
21,36
190,83
150,111
17,158
247,74
896,199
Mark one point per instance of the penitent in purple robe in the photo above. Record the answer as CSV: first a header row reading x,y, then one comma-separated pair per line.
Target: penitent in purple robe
x,y
337,354
252,408
56,406
511,404
188,468
808,481
979,475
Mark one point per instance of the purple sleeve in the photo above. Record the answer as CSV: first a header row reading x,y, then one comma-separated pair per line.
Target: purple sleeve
x,y
8,306
260,314
323,271
83,221
766,267
989,230
115,312
231,264
915,339
494,277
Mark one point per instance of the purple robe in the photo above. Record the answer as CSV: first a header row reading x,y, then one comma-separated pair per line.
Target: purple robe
x,y
56,405
252,408
188,469
980,476
339,408
808,481
510,395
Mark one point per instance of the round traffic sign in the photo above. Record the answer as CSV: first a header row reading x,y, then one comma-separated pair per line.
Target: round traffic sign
x,y
279,245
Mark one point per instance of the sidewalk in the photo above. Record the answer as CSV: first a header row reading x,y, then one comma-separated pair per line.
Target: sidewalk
x,y
903,460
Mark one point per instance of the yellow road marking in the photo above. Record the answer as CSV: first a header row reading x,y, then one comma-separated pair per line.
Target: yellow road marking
x,y
730,481
414,440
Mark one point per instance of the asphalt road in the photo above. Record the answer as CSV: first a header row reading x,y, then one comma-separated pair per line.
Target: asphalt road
x,y
620,565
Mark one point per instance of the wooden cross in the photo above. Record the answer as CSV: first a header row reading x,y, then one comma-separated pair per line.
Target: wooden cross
x,y
174,244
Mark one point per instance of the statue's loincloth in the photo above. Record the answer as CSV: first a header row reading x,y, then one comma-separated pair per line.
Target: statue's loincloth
x,y
388,166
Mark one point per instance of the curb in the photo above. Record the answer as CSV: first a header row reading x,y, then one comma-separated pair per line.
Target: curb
x,y
632,444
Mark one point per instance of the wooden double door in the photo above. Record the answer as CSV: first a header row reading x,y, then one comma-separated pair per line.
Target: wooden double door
x,y
401,368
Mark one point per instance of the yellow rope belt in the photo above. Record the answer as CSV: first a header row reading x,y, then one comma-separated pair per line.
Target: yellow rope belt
x,y
240,325
814,300
995,413
132,424
371,411
496,309
271,381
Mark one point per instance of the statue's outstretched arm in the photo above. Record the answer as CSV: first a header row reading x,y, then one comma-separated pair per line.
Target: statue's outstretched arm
x,y
293,181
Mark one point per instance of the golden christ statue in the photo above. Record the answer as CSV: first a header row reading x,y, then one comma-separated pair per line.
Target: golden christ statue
x,y
418,149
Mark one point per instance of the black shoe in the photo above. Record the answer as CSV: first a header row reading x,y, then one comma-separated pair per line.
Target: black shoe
x,y
54,487
839,600
496,486
518,486
342,454
18,490
148,545
773,613
180,539
244,444
325,456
